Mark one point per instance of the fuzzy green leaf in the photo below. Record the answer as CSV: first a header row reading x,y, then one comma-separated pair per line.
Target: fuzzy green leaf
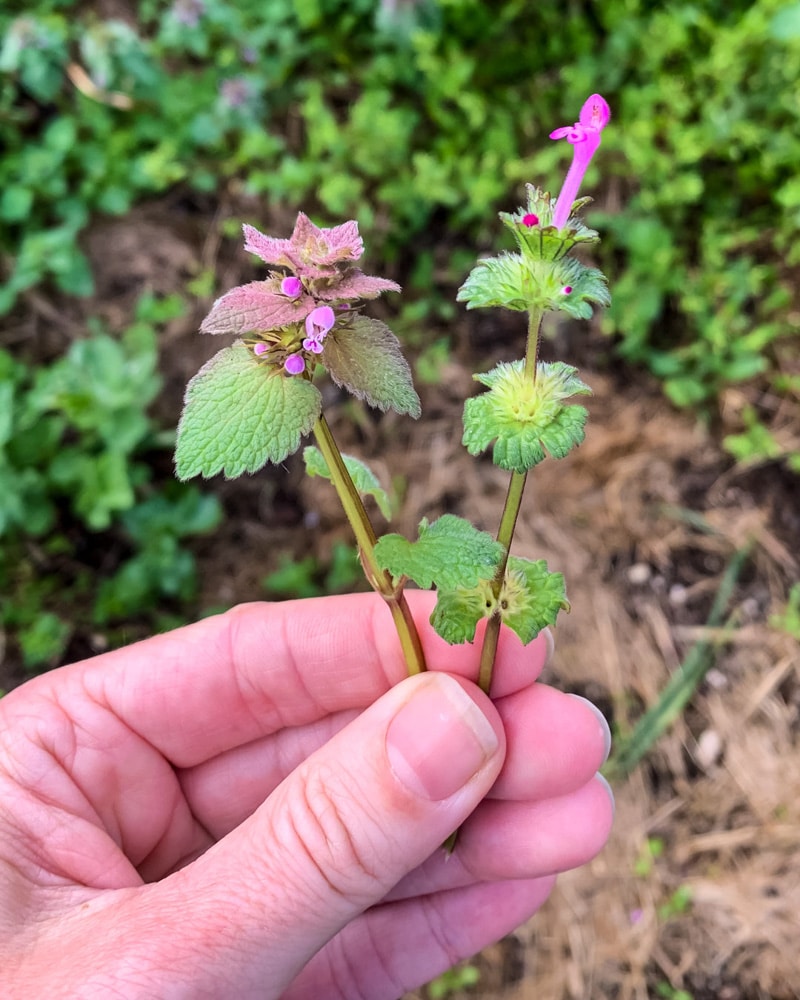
x,y
364,357
449,553
524,282
531,597
589,287
526,419
238,415
364,479
499,281
458,612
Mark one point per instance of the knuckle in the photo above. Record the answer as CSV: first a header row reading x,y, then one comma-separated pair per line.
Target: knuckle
x,y
334,835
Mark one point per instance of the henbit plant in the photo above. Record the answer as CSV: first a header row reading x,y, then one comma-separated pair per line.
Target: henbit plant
x,y
254,401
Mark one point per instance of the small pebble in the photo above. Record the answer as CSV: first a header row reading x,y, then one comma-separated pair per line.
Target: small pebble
x,y
716,679
639,574
677,595
709,749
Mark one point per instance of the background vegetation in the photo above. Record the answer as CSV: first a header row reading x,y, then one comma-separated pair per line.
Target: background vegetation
x,y
421,120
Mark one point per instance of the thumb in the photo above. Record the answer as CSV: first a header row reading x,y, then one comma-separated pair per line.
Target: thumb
x,y
343,828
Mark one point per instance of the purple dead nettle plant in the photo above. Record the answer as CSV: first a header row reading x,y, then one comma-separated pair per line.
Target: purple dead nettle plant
x,y
255,400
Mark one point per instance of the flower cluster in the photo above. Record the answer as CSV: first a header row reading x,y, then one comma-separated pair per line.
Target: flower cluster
x,y
288,316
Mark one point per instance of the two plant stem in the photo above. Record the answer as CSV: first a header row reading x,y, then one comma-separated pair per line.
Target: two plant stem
x,y
382,582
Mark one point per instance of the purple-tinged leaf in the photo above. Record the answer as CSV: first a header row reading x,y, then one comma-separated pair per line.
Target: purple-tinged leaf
x,y
355,285
324,247
270,250
311,251
256,306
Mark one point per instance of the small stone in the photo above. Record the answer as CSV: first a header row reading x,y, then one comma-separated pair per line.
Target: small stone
x,y
639,574
716,679
709,749
678,595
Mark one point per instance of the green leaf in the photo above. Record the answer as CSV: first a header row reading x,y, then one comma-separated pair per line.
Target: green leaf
x,y
521,282
498,281
531,597
239,415
449,553
364,357
458,612
364,479
525,418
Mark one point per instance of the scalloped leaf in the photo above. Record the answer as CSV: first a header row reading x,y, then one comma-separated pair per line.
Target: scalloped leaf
x,y
364,357
589,287
448,554
525,419
255,307
531,597
458,612
353,284
311,250
498,281
522,282
238,415
364,479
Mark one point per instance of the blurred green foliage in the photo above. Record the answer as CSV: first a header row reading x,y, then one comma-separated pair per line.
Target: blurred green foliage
x,y
76,447
308,578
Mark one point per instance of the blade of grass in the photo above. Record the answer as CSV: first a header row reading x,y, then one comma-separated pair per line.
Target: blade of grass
x,y
682,685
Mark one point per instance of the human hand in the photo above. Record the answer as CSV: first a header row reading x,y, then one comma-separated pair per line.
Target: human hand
x,y
254,806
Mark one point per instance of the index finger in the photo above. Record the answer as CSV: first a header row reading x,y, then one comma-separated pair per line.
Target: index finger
x,y
225,681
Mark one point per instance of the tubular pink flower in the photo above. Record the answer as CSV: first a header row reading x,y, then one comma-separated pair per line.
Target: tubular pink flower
x,y
294,364
319,321
585,138
291,287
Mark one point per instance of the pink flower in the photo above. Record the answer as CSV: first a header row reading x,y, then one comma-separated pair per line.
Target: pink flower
x,y
260,349
294,364
291,287
529,219
585,138
318,323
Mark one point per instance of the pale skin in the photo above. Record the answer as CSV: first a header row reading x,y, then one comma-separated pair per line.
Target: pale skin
x,y
253,807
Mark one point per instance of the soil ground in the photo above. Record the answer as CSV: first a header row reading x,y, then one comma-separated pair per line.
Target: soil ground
x,y
642,519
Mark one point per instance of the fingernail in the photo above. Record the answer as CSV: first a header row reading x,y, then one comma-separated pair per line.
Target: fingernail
x,y
551,645
604,782
439,739
603,724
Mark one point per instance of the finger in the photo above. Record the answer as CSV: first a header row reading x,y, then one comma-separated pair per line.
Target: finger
x,y
395,948
337,834
227,680
556,742
520,840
